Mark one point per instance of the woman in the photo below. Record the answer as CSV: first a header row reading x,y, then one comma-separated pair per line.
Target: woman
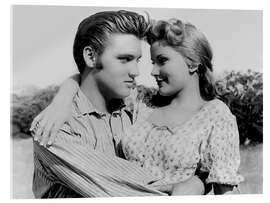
x,y
191,127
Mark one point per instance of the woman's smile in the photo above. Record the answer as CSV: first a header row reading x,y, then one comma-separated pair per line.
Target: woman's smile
x,y
160,80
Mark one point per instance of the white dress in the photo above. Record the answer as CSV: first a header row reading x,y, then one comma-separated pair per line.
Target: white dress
x,y
210,138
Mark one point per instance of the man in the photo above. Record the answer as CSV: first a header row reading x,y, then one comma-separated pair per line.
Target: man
x,y
82,161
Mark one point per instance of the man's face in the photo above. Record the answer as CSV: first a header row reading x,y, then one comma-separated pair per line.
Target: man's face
x,y
119,63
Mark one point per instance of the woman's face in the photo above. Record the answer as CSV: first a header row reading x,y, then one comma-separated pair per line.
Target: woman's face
x,y
169,69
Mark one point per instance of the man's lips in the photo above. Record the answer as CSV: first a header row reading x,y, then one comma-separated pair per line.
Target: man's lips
x,y
131,83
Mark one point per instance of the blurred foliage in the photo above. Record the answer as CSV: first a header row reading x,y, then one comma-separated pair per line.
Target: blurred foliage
x,y
241,91
26,107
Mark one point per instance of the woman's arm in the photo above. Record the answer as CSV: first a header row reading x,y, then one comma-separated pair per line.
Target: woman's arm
x,y
51,119
193,186
223,154
220,189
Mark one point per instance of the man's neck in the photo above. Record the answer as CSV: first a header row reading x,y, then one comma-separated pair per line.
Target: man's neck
x,y
90,89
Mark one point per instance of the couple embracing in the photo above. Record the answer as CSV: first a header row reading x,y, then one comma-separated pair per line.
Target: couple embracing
x,y
87,144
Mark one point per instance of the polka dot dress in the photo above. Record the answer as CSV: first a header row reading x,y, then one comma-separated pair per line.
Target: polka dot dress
x,y
210,138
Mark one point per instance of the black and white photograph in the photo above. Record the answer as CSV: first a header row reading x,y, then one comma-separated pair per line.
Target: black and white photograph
x,y
135,101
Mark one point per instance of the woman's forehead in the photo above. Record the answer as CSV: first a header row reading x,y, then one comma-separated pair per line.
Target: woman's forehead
x,y
160,47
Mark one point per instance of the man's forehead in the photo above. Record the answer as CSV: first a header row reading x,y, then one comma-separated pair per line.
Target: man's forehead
x,y
123,43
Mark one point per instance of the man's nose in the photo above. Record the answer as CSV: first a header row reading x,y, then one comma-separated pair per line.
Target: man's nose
x,y
134,71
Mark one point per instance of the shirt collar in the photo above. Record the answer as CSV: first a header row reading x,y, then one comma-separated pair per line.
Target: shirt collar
x,y
84,106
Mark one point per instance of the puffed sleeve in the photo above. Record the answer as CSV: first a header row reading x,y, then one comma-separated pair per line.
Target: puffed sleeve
x,y
222,151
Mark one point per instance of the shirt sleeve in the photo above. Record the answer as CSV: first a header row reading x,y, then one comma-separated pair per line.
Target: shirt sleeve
x,y
223,151
92,173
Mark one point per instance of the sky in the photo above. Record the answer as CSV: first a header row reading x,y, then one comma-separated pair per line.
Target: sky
x,y
43,37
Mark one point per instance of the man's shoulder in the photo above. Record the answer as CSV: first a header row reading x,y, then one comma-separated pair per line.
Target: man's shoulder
x,y
66,127
72,120
74,125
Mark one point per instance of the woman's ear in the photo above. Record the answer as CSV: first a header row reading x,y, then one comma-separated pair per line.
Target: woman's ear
x,y
89,56
193,68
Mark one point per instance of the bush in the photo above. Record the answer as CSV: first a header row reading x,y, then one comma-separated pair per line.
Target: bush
x,y
26,107
243,93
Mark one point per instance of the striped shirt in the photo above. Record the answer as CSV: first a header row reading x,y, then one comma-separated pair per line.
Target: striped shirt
x,y
83,160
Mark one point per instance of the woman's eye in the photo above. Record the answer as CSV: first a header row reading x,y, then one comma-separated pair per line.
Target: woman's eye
x,y
123,60
161,61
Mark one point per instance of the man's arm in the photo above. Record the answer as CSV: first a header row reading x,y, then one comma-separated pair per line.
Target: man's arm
x,y
91,173
61,172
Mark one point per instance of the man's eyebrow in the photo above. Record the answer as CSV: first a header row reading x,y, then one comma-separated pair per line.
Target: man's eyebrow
x,y
127,55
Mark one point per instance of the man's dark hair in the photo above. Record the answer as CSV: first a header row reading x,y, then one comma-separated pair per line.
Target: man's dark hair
x,y
94,30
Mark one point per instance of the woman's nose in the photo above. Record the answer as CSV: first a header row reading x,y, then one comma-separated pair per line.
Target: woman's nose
x,y
155,71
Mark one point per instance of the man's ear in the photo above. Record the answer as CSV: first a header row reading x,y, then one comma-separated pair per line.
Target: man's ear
x,y
89,56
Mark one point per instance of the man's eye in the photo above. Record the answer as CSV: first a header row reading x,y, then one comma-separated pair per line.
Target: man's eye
x,y
124,59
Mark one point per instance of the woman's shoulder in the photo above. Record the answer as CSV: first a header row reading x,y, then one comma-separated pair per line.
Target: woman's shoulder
x,y
142,111
218,108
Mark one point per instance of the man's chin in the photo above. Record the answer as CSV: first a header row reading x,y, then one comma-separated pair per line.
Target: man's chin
x,y
123,94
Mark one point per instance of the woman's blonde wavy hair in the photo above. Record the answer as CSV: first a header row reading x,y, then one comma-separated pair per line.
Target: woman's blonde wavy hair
x,y
186,39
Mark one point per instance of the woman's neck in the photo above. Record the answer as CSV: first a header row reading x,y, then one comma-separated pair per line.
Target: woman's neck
x,y
188,98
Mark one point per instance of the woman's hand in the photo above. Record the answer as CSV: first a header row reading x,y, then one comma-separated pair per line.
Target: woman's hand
x,y
46,125
164,188
193,186
223,189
